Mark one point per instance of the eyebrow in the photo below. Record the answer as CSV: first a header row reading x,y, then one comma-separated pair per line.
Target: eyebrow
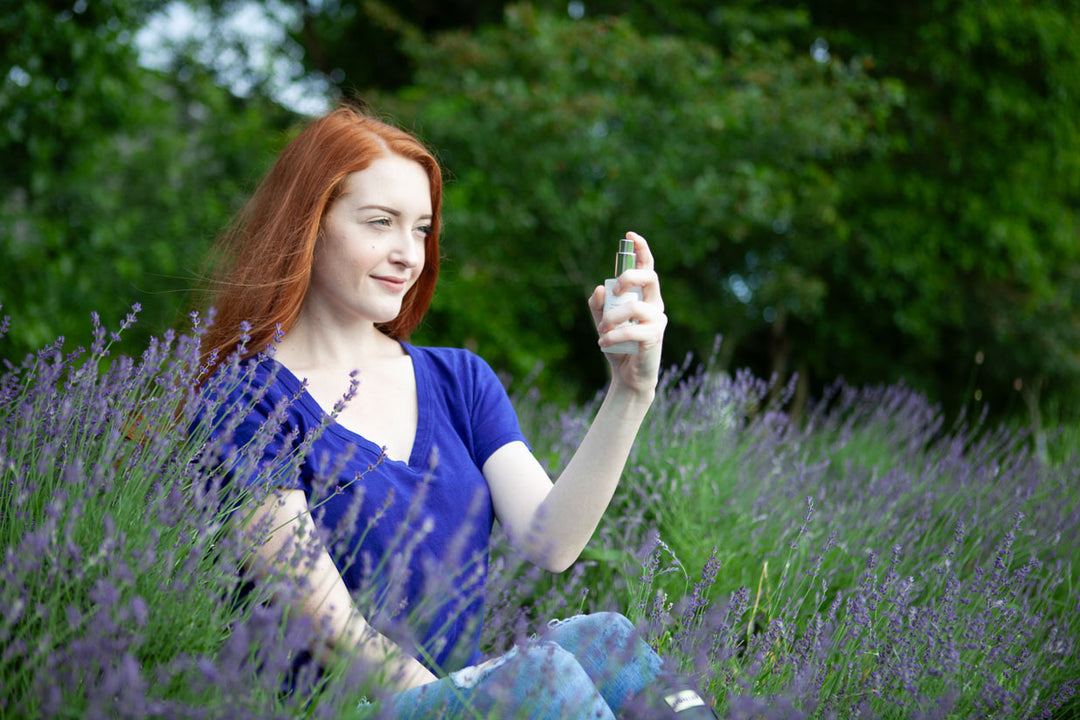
x,y
391,211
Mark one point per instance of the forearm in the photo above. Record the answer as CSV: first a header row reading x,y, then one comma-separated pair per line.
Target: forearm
x,y
552,523
291,550
355,639
568,516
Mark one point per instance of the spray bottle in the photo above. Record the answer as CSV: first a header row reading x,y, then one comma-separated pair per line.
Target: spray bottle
x,y
625,260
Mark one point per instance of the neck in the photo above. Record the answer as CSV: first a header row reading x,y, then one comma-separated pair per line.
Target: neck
x,y
314,344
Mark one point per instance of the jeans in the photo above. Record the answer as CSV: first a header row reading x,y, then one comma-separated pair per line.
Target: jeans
x,y
587,666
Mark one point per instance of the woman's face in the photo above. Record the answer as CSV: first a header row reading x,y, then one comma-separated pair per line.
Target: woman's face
x,y
371,246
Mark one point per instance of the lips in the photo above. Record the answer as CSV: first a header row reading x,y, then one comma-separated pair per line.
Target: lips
x,y
393,283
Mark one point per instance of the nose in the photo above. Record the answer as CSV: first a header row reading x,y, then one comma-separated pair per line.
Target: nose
x,y
408,250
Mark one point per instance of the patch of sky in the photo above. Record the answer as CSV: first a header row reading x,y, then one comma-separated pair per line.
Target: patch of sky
x,y
17,76
243,49
739,288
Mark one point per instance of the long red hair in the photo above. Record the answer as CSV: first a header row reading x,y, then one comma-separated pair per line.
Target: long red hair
x,y
264,259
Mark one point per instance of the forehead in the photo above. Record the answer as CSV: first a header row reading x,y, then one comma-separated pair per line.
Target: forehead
x,y
393,181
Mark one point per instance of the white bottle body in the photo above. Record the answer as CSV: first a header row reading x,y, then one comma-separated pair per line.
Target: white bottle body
x,y
612,300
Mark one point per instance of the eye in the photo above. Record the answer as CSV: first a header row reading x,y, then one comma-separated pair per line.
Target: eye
x,y
424,230
380,221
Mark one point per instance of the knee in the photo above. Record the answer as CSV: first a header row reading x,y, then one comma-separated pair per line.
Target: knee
x,y
604,620
610,628
614,623
609,648
551,660
555,685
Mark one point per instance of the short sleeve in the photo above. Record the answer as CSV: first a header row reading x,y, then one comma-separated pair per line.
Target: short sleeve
x,y
494,421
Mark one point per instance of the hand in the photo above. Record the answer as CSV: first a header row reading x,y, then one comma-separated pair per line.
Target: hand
x,y
637,373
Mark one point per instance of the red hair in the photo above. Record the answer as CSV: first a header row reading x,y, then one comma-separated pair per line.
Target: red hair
x,y
265,257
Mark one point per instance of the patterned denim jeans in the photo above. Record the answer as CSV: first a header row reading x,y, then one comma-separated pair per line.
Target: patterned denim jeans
x,y
587,666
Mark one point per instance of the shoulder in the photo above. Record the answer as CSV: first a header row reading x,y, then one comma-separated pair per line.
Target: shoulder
x,y
471,397
257,376
458,362
458,375
248,392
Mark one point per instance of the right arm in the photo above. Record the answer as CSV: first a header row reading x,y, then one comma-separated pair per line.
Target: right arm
x,y
323,596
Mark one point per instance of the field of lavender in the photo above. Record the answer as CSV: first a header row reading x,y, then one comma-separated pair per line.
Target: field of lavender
x,y
864,560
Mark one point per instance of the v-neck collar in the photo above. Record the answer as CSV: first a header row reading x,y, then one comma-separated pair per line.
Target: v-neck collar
x,y
420,455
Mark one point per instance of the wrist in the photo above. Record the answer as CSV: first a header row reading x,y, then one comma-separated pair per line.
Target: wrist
x,y
631,399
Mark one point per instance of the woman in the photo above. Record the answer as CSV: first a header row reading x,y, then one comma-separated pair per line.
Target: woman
x,y
335,258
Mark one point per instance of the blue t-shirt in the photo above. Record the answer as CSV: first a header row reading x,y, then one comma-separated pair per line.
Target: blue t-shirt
x,y
413,537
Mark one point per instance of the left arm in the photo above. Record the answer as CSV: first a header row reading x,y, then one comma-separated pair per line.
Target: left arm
x,y
551,523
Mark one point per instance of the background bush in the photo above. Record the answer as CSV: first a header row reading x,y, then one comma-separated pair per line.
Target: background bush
x,y
882,195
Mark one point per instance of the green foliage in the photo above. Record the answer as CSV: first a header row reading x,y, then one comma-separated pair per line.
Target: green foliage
x,y
837,188
115,177
887,208
559,135
330,32
966,233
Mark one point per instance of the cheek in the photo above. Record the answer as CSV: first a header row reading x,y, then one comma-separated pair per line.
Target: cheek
x,y
330,265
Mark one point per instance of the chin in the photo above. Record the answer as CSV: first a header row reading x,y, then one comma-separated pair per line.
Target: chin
x,y
386,317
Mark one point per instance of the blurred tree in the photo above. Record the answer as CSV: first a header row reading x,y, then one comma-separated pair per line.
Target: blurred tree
x,y
966,233
115,177
358,44
963,227
953,230
559,135
839,188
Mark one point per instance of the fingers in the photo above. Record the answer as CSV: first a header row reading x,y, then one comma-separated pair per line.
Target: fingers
x,y
646,279
646,335
596,304
642,250
646,326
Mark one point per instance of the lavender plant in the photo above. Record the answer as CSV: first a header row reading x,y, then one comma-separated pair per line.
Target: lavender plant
x,y
119,570
862,561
